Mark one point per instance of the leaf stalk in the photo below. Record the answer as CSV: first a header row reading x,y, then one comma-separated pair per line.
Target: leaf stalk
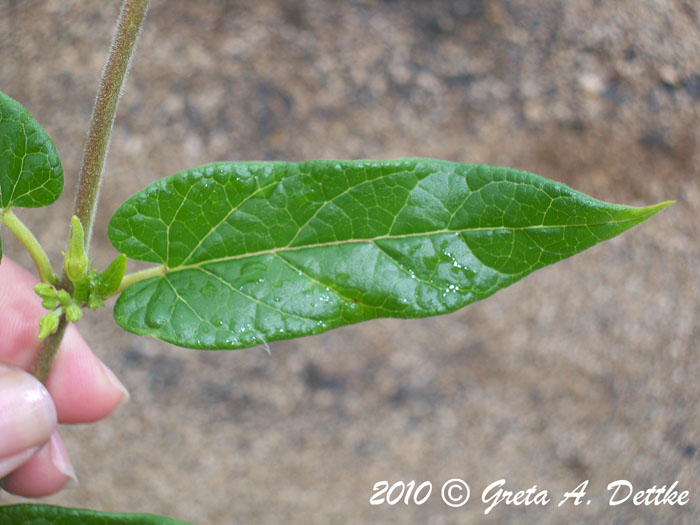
x,y
135,277
26,237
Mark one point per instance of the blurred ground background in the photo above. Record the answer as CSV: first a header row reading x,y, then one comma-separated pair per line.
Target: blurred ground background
x,y
587,370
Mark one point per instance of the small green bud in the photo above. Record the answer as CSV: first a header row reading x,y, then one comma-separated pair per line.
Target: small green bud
x,y
49,303
94,302
73,313
64,298
48,324
45,291
76,260
112,277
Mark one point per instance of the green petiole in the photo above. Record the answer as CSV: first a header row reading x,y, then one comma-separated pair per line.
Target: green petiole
x,y
26,237
135,277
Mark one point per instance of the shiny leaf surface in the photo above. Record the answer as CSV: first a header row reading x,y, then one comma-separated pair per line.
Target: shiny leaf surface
x,y
260,251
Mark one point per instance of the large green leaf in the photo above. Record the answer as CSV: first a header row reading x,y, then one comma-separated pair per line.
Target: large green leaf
x,y
260,251
31,514
30,170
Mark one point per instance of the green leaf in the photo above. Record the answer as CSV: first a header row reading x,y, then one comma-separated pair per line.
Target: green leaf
x,y
30,170
261,251
30,514
111,278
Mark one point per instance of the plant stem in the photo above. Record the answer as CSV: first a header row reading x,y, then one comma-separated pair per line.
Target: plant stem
x,y
135,277
26,237
114,73
126,34
47,352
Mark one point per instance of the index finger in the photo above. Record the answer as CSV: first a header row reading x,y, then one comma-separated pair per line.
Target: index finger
x,y
82,387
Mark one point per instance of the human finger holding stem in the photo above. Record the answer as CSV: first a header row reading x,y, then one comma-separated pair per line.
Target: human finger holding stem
x,y
80,389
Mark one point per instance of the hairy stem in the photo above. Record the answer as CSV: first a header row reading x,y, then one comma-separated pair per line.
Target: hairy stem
x,y
126,34
114,73
26,237
47,352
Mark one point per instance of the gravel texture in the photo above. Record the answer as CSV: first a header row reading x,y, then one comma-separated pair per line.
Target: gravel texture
x,y
587,370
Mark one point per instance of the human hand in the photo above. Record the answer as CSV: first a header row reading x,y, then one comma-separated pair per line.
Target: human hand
x,y
79,389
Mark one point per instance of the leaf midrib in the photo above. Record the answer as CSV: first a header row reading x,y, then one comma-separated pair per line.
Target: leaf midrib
x,y
373,240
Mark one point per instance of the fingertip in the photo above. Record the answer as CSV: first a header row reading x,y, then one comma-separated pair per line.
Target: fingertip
x,y
83,388
20,309
47,472
117,386
27,412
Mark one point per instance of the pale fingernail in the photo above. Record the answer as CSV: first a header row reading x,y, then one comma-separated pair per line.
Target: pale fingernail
x,y
27,412
9,464
112,379
60,459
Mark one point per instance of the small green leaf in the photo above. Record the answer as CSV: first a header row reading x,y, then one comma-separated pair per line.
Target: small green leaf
x,y
30,170
261,251
31,514
111,278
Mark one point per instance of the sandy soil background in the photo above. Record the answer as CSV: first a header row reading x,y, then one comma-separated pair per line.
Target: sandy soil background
x,y
587,370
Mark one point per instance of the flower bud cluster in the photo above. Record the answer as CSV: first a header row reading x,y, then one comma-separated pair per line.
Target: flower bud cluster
x,y
89,287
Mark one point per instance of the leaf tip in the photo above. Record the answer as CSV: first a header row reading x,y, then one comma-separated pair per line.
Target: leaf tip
x,y
655,208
